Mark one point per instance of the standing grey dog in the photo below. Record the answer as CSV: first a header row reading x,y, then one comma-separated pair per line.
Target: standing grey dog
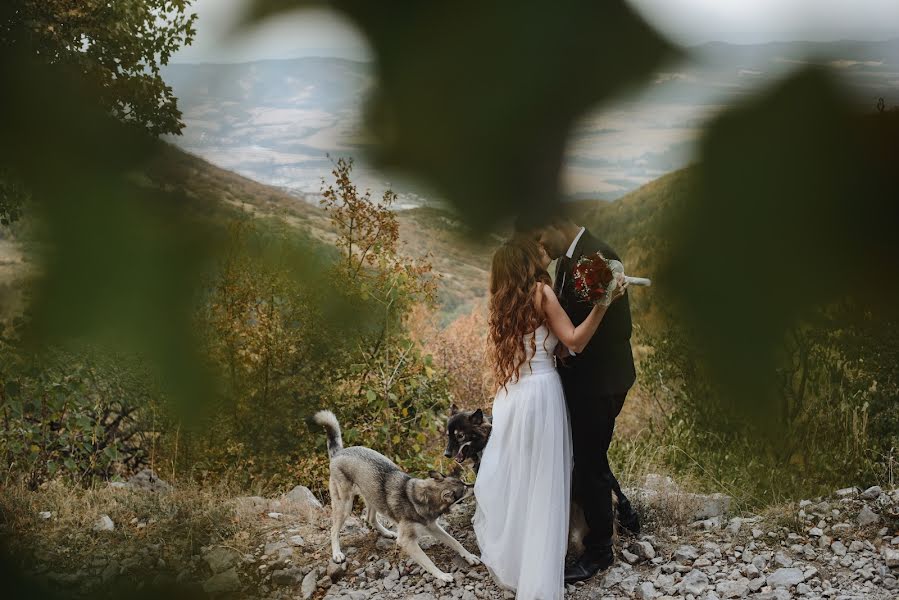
x,y
413,504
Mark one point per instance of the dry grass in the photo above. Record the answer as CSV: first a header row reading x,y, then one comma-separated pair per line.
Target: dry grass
x,y
177,523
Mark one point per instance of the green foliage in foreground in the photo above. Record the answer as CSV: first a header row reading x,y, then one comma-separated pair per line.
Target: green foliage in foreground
x,y
74,415
839,379
280,347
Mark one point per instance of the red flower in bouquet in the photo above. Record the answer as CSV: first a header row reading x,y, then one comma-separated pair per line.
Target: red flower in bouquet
x,y
591,277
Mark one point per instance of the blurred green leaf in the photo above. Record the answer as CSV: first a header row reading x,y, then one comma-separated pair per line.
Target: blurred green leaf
x,y
787,215
478,98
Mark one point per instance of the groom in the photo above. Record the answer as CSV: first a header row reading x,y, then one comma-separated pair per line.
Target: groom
x,y
596,382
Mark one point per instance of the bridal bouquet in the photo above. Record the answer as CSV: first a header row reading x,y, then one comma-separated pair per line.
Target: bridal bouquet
x,y
595,278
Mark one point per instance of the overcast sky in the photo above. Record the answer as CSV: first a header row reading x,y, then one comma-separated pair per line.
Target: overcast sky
x,y
321,33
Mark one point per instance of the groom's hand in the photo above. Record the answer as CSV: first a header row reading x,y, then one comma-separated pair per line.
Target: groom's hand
x,y
619,291
562,352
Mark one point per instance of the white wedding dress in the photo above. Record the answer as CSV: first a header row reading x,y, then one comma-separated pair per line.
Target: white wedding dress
x,y
523,488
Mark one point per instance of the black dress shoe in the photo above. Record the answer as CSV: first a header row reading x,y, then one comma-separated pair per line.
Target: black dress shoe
x,y
588,566
629,520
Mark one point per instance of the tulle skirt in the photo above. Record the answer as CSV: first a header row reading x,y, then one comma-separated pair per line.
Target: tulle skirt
x,y
523,488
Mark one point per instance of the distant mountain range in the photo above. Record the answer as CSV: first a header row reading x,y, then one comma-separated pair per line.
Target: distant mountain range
x,y
275,121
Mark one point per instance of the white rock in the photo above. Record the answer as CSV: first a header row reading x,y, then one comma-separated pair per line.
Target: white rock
x,y
646,591
104,523
846,492
685,554
307,588
783,560
45,514
275,515
733,589
872,493
866,517
890,556
733,527
695,582
643,550
148,481
815,532
630,556
838,548
785,577
296,540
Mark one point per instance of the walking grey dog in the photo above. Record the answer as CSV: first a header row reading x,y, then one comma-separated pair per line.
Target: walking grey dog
x,y
413,504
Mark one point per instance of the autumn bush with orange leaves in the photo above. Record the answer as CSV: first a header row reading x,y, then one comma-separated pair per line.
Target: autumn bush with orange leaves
x,y
335,337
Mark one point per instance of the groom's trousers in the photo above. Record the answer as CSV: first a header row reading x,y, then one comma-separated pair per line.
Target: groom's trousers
x,y
592,425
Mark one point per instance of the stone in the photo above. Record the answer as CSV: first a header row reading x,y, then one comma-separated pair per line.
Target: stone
x,y
846,492
336,570
248,506
838,548
104,523
222,583
45,514
715,505
782,560
890,556
307,587
274,547
148,481
815,532
629,584
785,577
872,493
733,527
630,557
866,517
756,584
300,501
733,589
643,550
221,559
291,576
646,591
685,554
695,582
296,540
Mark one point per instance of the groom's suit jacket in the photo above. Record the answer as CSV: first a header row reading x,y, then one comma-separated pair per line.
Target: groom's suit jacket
x,y
606,365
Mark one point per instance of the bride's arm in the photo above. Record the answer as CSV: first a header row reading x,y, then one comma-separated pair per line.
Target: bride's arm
x,y
575,338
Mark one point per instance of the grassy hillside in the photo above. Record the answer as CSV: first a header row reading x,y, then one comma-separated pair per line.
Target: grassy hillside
x,y
634,225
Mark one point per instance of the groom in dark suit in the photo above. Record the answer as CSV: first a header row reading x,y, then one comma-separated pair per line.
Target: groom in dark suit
x,y
596,382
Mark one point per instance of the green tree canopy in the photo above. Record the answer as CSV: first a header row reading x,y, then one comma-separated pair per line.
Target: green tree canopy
x,y
118,47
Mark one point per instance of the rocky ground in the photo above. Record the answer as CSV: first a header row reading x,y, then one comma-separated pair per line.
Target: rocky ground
x,y
839,547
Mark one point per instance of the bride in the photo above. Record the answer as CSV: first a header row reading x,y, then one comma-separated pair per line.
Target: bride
x,y
523,488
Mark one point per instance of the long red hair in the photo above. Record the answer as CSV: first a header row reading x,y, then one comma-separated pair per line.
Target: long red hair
x,y
514,276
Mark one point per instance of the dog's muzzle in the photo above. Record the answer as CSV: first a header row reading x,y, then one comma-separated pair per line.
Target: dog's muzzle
x,y
460,455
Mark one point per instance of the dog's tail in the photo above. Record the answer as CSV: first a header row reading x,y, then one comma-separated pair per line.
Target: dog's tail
x,y
326,419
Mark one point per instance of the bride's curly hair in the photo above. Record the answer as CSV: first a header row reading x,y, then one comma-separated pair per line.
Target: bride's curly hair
x,y
514,276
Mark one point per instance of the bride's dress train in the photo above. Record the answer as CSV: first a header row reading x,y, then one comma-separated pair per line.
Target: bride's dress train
x,y
523,486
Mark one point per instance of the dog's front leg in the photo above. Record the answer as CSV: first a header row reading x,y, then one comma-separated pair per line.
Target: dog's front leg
x,y
447,540
408,541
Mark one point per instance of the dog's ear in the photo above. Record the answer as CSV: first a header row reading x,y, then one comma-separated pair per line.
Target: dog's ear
x,y
456,471
477,417
453,409
435,475
448,496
